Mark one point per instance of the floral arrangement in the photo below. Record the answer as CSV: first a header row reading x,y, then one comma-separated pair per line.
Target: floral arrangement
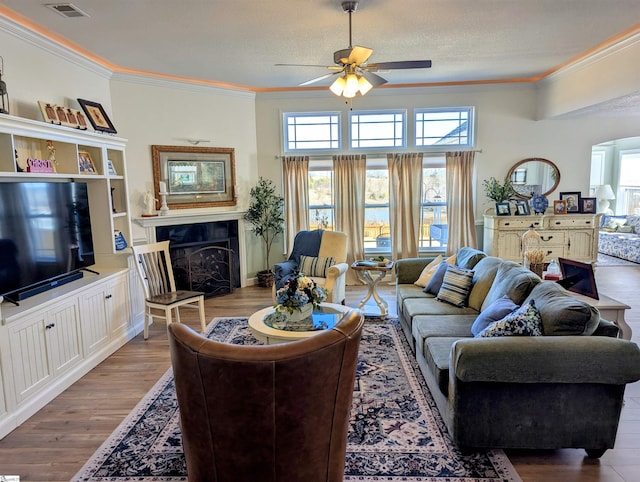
x,y
298,292
496,191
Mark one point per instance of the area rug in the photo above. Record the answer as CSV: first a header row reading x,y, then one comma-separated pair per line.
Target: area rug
x,y
396,431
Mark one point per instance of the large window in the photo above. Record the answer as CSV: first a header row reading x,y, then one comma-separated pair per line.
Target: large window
x,y
377,231
309,131
629,186
444,127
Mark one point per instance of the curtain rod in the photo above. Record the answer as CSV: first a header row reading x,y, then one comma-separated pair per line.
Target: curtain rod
x,y
329,155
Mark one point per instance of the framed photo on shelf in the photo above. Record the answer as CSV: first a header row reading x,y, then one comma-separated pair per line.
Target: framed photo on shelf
x,y
97,116
85,163
48,112
588,205
111,170
560,206
522,208
195,177
503,209
573,201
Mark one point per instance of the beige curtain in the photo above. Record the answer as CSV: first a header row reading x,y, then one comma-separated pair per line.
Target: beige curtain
x,y
295,171
350,175
460,217
405,181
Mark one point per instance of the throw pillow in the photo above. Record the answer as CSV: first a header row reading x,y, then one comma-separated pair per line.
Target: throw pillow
x,y
525,321
456,285
494,312
434,284
315,266
428,272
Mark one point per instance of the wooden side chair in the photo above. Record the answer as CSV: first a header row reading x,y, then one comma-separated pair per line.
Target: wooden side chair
x,y
153,265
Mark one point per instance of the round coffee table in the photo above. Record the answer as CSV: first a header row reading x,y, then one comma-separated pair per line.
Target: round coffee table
x,y
329,314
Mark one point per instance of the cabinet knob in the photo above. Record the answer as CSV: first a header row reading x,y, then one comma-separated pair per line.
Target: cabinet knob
x,y
108,297
49,326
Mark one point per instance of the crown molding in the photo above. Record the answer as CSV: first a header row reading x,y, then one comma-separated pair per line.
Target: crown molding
x,y
40,41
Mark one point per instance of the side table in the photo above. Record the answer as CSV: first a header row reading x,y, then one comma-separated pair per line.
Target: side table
x,y
371,275
610,309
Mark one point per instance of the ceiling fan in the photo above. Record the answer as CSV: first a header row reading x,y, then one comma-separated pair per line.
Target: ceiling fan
x,y
356,74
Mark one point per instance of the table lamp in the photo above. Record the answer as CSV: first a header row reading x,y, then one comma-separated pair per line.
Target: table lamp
x,y
604,193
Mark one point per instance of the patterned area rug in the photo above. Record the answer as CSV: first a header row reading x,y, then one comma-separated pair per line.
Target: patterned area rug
x,y
396,431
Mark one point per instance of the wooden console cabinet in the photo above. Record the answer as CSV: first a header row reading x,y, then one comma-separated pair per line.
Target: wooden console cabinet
x,y
573,236
53,338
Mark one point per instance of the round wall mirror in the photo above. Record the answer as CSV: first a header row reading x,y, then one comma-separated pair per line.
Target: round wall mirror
x,y
534,176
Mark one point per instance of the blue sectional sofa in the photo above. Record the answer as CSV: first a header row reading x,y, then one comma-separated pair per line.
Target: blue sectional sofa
x,y
620,237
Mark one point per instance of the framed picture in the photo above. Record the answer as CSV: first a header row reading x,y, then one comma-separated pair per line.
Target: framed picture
x,y
110,168
48,112
559,206
573,201
85,163
522,208
194,176
503,209
588,205
97,116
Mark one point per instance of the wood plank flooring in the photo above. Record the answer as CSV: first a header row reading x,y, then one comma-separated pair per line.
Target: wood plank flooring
x,y
54,444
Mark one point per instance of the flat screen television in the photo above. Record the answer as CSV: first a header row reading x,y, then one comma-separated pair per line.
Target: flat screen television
x,y
45,236
578,277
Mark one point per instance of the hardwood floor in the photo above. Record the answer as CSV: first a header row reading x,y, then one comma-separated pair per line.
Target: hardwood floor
x,y
54,444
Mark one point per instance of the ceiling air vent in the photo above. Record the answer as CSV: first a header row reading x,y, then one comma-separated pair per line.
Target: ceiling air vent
x,y
67,10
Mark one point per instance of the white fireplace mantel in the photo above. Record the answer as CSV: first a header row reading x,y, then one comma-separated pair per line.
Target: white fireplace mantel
x,y
176,217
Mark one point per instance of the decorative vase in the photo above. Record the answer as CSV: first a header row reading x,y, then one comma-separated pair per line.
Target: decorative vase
x,y
301,314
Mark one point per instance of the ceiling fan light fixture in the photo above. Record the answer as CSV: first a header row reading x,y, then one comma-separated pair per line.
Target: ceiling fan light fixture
x,y
364,85
338,86
352,87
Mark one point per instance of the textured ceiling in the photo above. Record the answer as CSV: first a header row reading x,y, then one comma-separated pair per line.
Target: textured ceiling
x,y
239,42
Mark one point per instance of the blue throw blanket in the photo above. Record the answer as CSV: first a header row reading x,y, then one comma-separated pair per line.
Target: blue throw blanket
x,y
306,243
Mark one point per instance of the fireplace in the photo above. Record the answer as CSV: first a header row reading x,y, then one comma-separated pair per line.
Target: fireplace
x,y
224,263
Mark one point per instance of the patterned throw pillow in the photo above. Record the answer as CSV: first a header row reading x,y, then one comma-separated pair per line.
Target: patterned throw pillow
x,y
428,272
456,285
315,266
494,312
525,321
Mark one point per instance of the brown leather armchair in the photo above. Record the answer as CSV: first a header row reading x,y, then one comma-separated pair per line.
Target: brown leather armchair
x,y
277,413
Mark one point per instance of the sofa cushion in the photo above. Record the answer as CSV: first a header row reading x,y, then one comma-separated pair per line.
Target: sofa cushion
x,y
431,306
561,313
494,312
429,326
483,275
512,280
315,266
436,356
467,257
455,286
434,284
525,321
428,272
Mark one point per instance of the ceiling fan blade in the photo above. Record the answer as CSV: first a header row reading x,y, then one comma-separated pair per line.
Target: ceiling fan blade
x,y
318,79
373,79
403,64
359,55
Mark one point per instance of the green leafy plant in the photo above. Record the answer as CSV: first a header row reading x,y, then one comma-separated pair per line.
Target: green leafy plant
x,y
266,214
497,191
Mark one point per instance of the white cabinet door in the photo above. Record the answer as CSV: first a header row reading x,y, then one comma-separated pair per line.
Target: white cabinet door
x,y
117,299
94,318
581,245
43,346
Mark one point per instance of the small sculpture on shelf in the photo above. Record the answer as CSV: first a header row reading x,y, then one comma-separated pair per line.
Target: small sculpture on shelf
x,y
149,205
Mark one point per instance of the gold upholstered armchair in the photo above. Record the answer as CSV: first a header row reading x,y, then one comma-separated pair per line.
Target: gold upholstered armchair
x,y
270,413
322,256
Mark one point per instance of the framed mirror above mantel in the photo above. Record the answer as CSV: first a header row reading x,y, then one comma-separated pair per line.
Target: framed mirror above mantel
x,y
534,175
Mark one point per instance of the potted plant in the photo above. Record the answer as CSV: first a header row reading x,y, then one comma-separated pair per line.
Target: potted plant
x,y
266,214
498,192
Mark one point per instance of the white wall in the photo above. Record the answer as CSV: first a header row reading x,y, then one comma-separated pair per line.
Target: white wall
x,y
506,129
160,113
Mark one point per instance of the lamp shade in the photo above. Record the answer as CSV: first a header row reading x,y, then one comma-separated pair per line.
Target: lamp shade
x,y
604,191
